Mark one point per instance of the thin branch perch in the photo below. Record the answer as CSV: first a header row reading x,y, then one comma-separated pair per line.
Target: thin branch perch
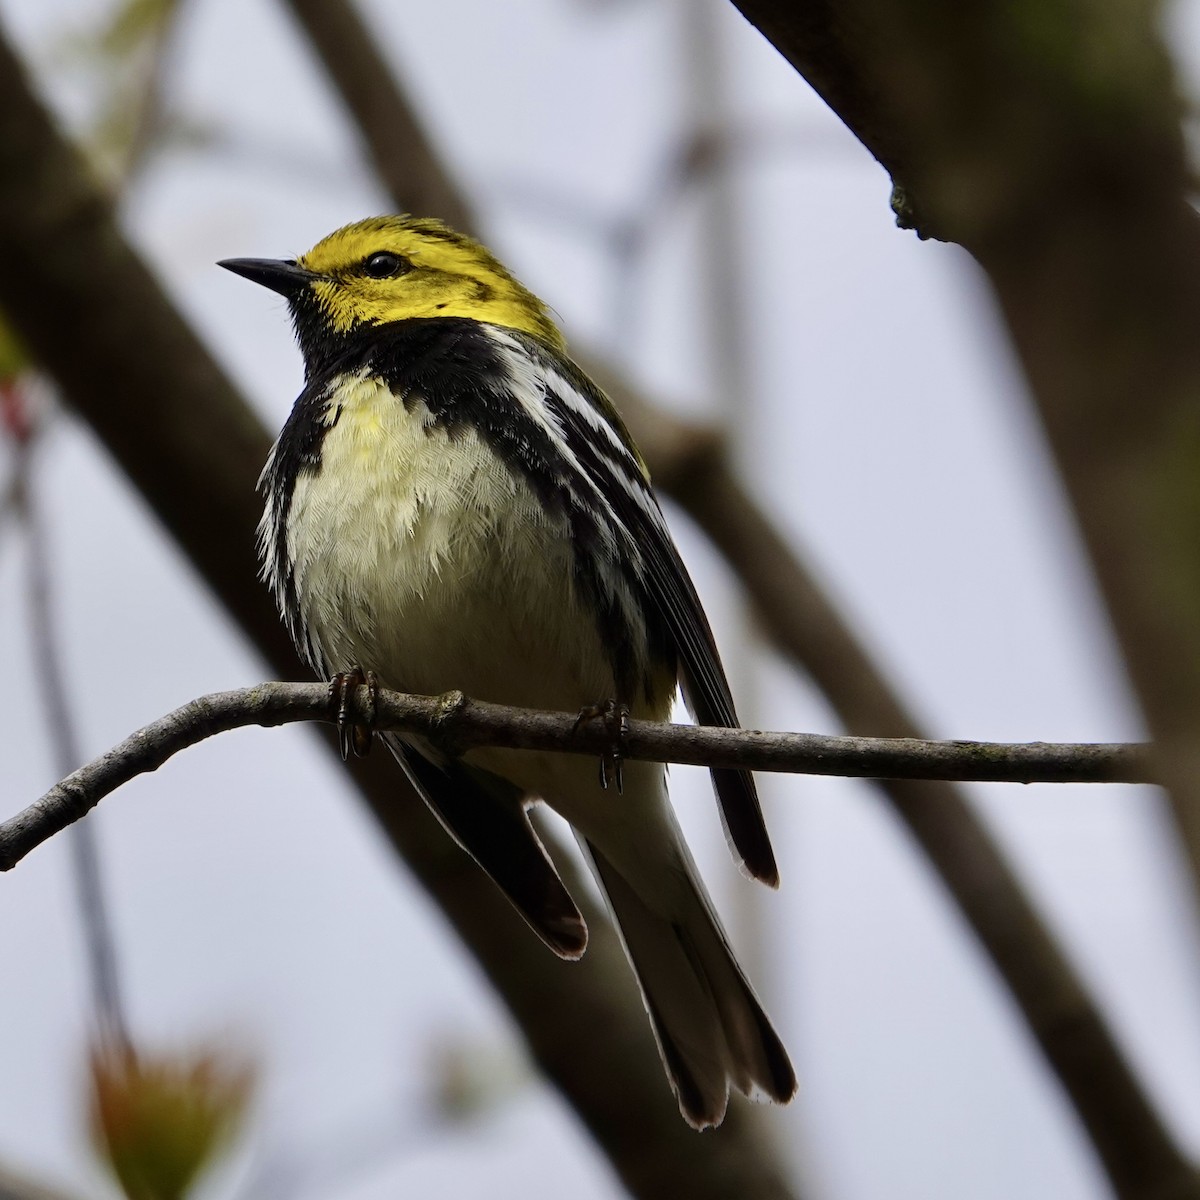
x,y
461,724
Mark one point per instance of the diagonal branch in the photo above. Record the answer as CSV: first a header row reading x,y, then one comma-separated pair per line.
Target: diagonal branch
x,y
459,724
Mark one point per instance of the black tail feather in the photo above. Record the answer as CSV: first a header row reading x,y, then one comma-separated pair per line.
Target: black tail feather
x,y
486,816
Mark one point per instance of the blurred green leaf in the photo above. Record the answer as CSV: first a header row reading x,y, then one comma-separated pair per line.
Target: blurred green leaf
x,y
158,1122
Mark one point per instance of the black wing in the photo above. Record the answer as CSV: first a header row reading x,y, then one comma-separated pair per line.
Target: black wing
x,y
618,475
485,816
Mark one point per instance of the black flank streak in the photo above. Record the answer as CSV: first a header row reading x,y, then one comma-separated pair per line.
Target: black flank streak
x,y
602,464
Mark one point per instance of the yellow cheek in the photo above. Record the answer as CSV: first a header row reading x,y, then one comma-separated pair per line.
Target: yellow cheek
x,y
346,306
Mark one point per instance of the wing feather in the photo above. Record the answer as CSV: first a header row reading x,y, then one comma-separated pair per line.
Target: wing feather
x,y
484,814
605,452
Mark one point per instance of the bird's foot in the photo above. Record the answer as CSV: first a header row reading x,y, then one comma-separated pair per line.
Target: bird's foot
x,y
615,716
354,735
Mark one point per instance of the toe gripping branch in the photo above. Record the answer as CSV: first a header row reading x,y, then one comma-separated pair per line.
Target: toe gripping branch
x,y
354,735
615,716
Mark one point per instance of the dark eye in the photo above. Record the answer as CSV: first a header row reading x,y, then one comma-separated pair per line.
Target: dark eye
x,y
384,265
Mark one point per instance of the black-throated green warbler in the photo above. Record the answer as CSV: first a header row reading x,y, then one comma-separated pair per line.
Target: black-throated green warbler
x,y
453,504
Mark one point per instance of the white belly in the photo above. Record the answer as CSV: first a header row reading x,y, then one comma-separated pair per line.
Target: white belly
x,y
418,554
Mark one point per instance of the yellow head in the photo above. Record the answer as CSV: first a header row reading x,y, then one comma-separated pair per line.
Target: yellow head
x,y
387,269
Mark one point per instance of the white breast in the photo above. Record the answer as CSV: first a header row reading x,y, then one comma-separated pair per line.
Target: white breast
x,y
419,554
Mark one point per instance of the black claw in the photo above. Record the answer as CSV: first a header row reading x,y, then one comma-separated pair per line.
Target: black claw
x,y
615,716
354,736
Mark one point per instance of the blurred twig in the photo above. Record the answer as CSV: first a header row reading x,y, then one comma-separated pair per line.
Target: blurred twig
x,y
130,49
10,496
94,914
702,156
411,166
149,116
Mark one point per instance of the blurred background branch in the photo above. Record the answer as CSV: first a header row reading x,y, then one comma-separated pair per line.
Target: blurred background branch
x,y
1052,149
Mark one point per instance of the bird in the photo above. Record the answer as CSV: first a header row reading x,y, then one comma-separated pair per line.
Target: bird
x,y
453,505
